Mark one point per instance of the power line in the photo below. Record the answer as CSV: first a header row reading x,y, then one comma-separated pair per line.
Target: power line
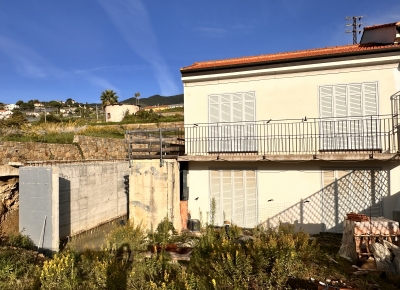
x,y
356,26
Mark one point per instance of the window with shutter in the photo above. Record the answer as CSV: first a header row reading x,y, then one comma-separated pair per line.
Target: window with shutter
x,y
345,102
230,117
235,195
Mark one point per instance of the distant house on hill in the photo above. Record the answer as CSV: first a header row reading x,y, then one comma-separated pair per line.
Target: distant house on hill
x,y
5,114
115,113
176,106
11,107
157,108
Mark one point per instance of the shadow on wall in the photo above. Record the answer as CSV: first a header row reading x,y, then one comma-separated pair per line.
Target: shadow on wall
x,y
64,210
360,191
126,189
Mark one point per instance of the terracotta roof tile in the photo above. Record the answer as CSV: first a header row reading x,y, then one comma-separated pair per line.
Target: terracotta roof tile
x,y
331,51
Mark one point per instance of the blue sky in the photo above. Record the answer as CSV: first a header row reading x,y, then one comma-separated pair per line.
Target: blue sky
x,y
54,50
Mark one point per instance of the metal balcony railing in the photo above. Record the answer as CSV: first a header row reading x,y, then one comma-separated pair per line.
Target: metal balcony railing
x,y
376,134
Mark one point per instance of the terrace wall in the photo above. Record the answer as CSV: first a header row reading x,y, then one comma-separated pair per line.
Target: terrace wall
x,y
84,148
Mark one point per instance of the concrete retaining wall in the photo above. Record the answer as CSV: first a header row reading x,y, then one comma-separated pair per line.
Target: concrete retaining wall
x,y
66,199
91,194
154,192
38,212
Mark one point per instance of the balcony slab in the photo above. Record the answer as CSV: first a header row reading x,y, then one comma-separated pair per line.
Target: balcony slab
x,y
295,157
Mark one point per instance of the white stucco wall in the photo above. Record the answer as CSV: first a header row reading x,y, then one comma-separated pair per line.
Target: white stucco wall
x,y
291,95
289,185
115,113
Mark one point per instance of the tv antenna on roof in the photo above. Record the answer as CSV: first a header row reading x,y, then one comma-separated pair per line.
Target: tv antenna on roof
x,y
356,26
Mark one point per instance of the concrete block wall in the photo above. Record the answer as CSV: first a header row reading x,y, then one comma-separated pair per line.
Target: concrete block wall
x,y
154,192
91,194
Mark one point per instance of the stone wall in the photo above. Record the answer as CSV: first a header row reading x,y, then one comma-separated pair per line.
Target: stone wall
x,y
31,151
84,147
95,148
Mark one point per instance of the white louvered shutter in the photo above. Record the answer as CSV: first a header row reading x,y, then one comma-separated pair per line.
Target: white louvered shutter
x,y
225,126
251,212
226,114
215,192
239,198
340,110
355,110
235,196
370,92
237,117
213,119
326,101
326,111
250,142
227,195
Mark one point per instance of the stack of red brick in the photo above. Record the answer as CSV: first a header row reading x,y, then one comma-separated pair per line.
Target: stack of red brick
x,y
357,217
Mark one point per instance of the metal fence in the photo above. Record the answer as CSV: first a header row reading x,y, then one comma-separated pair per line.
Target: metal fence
x,y
307,136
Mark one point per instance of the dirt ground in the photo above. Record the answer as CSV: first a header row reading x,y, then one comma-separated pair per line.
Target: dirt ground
x,y
11,223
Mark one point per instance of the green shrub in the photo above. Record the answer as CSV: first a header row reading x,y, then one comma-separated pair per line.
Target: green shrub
x,y
265,262
130,234
164,232
19,269
19,241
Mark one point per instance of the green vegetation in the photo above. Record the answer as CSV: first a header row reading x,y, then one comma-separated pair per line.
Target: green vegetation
x,y
17,120
221,259
51,137
150,117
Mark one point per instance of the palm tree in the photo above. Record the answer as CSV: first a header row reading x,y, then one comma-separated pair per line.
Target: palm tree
x,y
137,96
108,97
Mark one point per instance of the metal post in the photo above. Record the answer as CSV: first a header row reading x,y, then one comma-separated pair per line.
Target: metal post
x,y
161,160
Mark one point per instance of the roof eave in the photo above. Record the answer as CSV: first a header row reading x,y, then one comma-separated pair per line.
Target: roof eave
x,y
289,60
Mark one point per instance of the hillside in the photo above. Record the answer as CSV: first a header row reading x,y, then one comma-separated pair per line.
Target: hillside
x,y
156,100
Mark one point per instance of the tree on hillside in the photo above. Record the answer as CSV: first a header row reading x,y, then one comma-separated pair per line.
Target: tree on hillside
x,y
69,102
55,104
108,97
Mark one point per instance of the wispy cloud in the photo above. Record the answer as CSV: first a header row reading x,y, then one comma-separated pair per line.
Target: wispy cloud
x,y
211,31
100,82
133,22
383,17
30,64
216,31
26,61
110,67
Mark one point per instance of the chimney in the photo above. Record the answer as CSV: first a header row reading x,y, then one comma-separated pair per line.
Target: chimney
x,y
397,39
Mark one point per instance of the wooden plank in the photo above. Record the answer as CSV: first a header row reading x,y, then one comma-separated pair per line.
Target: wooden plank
x,y
154,157
153,130
152,140
168,149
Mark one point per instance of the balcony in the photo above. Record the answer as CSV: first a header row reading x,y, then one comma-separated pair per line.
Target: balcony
x,y
372,137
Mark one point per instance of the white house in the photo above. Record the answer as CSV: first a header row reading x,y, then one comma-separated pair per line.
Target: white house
x,y
11,107
115,113
5,114
302,137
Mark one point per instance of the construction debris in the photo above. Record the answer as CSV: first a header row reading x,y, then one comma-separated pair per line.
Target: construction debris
x,y
360,233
